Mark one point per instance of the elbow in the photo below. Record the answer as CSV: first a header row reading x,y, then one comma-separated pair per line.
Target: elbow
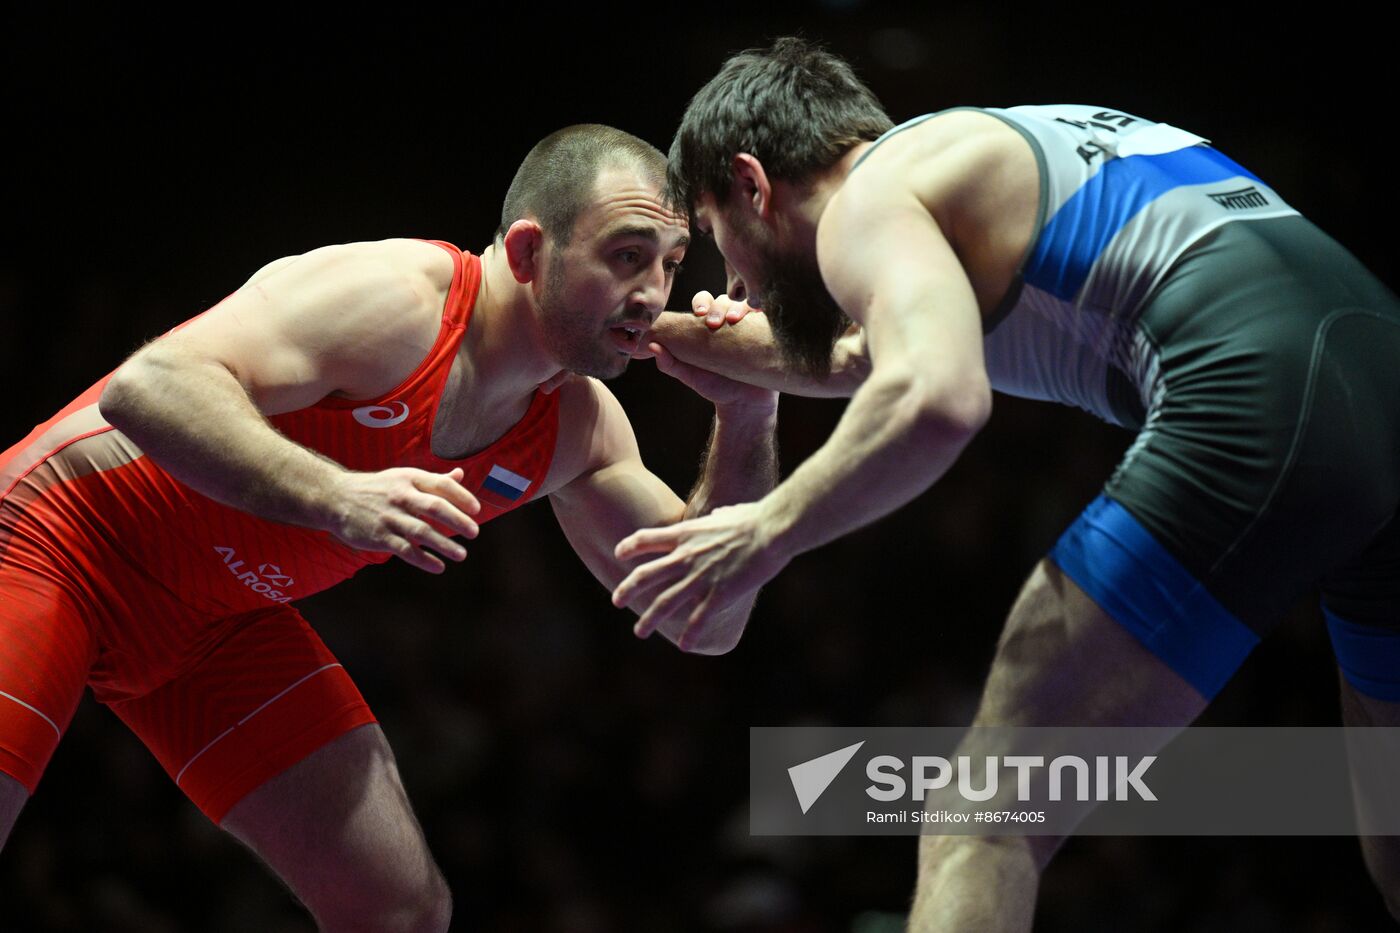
x,y
945,411
119,398
850,363
713,647
136,390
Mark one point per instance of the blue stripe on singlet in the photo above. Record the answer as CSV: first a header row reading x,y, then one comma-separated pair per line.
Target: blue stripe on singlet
x,y
1080,230
1122,568
1368,655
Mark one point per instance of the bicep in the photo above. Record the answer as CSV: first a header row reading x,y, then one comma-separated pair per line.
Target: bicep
x,y
889,265
304,327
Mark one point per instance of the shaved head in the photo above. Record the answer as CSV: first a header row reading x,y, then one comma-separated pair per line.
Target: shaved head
x,y
559,177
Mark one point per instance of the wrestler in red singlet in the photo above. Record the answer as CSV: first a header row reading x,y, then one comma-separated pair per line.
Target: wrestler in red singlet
x,y
176,608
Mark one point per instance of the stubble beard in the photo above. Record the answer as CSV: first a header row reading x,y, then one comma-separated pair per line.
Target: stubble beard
x,y
577,351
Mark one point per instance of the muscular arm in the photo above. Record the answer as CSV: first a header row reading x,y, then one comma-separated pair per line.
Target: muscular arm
x,y
615,494
886,262
746,351
885,259
351,319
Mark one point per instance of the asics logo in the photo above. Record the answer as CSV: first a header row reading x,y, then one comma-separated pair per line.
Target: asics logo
x,y
381,416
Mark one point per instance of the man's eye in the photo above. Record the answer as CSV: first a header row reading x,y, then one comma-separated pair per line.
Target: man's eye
x,y
673,267
630,256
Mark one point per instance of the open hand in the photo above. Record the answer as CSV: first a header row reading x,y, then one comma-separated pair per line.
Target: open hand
x,y
706,565
408,512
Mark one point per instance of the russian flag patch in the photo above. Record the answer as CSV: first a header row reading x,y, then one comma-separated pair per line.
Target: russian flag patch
x,y
504,483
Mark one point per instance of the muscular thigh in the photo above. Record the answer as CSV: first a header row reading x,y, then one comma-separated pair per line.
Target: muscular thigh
x,y
338,829
264,698
1063,661
46,651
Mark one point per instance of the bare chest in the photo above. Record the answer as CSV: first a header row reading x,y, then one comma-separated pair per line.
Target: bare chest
x,y
469,419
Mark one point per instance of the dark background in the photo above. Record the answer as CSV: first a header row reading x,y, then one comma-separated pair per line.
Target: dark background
x,y
568,776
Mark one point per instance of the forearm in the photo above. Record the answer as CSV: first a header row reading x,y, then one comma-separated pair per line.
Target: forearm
x,y
194,419
747,352
741,459
896,438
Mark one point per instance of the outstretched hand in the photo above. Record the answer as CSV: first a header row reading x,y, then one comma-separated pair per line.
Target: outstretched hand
x,y
706,566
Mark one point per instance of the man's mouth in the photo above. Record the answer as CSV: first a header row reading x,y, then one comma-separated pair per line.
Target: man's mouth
x,y
628,336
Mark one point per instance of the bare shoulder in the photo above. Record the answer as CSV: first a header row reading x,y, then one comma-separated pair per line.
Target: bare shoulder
x,y
949,160
965,178
593,432
424,268
352,319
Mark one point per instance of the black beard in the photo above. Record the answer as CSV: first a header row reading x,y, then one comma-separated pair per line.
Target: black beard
x,y
806,320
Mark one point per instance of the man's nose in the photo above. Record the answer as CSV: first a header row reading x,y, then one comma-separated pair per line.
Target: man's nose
x,y
654,289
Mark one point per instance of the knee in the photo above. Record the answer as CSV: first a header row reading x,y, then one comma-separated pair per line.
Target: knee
x,y
1390,894
420,908
435,909
1383,864
1018,853
1388,883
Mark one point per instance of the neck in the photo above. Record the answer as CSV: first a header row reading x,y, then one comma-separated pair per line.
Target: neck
x,y
806,202
505,350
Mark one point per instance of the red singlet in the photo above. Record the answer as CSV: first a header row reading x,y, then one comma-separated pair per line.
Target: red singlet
x,y
174,607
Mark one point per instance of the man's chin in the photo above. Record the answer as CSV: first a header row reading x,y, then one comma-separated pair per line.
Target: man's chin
x,y
598,369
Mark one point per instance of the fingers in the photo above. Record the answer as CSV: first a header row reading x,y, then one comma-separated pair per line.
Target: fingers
x,y
423,535
695,626
405,551
641,579
700,304
444,514
669,604
667,362
719,310
641,585
709,385
649,541
709,307
448,486
439,506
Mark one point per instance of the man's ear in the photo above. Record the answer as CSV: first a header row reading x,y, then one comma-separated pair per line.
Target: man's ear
x,y
524,241
752,182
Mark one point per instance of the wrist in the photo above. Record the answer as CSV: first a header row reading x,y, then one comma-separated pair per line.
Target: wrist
x,y
326,505
756,408
778,524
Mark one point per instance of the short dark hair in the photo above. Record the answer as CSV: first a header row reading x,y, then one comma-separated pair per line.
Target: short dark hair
x,y
556,180
795,106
